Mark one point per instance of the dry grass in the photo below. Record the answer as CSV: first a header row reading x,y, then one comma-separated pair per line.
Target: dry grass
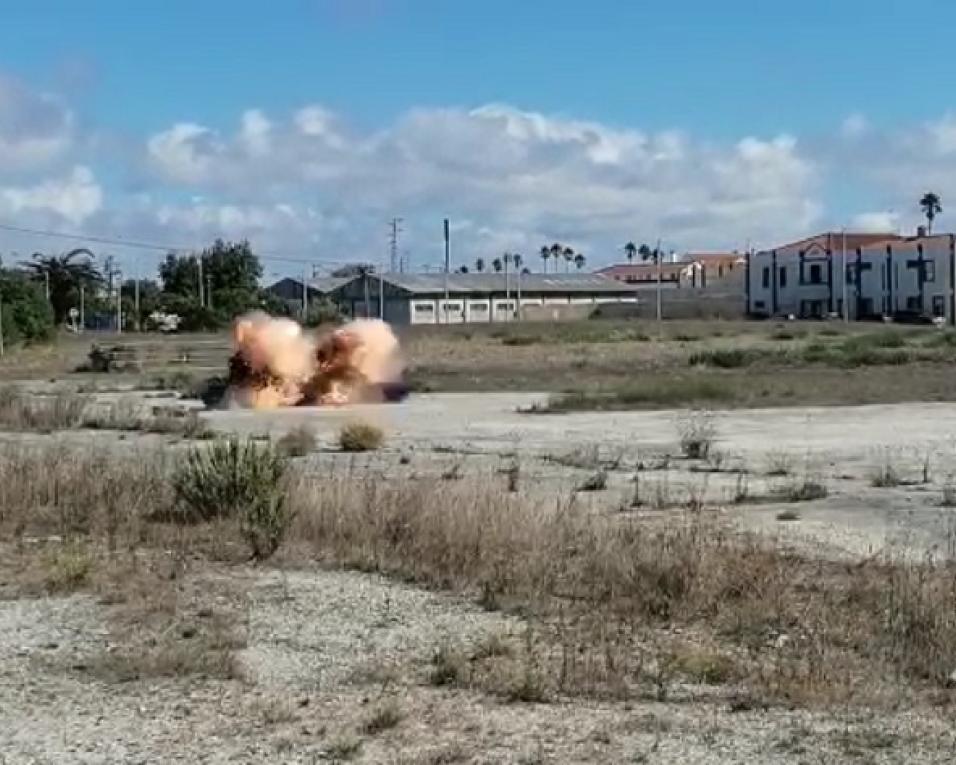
x,y
604,595
361,437
298,442
609,590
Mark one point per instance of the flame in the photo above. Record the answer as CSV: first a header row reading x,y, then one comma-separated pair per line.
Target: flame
x,y
275,364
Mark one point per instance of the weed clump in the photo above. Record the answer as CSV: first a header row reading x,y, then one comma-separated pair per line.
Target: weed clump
x,y
240,480
361,437
697,433
298,442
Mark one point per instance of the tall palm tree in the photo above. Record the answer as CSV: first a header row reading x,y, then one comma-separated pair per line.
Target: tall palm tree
x,y
517,260
545,253
579,261
63,275
630,250
497,265
931,208
645,252
479,265
568,254
556,252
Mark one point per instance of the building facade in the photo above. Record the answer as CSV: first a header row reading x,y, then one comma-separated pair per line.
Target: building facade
x,y
878,275
477,298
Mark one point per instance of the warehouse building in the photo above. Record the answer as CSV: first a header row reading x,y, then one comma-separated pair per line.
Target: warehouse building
x,y
477,298
879,276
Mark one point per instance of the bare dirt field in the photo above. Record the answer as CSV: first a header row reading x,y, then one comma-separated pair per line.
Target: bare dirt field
x,y
513,575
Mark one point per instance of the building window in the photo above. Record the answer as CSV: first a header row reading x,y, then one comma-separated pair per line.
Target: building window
x,y
480,307
759,304
816,273
424,308
913,303
929,271
766,278
453,307
783,276
939,305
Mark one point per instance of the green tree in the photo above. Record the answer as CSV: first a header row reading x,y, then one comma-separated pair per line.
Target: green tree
x,y
230,284
149,300
62,276
931,206
497,265
645,252
579,261
545,253
568,255
27,316
479,265
630,250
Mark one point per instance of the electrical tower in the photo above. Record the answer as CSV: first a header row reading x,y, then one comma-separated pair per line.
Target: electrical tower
x,y
396,228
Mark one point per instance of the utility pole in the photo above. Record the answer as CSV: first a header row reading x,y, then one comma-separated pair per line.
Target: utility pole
x,y
396,229
199,263
136,300
209,290
447,265
381,298
1,327
846,307
119,306
82,306
657,257
305,294
46,275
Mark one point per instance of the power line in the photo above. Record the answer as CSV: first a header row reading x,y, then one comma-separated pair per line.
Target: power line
x,y
137,245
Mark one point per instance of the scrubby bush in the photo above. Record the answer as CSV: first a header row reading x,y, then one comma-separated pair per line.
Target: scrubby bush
x,y
27,316
297,442
236,479
361,437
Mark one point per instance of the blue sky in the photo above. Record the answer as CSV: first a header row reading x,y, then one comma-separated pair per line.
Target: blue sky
x,y
690,121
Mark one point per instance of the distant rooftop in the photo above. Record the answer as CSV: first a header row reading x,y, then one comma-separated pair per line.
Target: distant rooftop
x,y
495,282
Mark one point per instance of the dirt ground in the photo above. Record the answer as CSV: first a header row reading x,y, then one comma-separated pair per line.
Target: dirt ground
x,y
335,665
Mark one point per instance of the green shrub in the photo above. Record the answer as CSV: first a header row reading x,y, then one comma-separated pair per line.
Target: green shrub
x,y
236,479
723,358
297,442
27,316
361,437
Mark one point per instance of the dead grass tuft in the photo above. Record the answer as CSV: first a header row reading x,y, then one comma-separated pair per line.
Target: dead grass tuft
x,y
298,442
361,437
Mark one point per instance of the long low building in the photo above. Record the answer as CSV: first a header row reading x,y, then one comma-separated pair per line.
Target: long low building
x,y
476,298
908,278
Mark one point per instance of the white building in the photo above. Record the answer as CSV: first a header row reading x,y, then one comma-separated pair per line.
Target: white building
x,y
907,278
477,298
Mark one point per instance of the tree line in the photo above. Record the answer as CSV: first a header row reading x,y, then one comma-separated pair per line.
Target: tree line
x,y
206,290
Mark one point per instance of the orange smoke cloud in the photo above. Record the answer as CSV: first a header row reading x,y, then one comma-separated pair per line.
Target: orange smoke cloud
x,y
275,364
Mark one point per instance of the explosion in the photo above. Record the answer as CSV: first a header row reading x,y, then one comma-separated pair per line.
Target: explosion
x,y
276,364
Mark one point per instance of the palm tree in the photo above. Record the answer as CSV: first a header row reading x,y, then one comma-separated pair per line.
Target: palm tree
x,y
568,254
545,253
517,260
63,275
630,250
931,208
479,265
556,251
579,261
496,264
645,252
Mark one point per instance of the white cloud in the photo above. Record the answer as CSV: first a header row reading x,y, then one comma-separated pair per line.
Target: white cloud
x,y
74,198
881,221
854,126
184,153
255,133
35,129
